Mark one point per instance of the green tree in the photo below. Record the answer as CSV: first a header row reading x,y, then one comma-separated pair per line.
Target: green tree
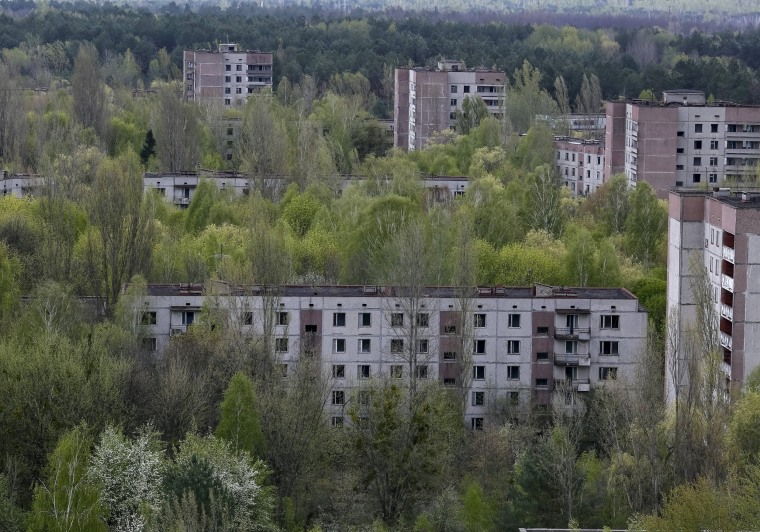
x,y
240,422
124,222
473,112
645,228
88,90
66,500
477,513
148,149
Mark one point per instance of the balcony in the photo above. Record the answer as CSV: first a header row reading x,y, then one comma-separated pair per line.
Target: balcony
x,y
725,340
726,311
177,330
180,200
728,254
572,333
727,282
572,359
726,369
579,385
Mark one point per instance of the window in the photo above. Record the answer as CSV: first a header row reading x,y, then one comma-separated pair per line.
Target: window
x,y
149,344
513,347
478,398
696,178
453,102
513,373
238,79
188,317
713,144
449,355
477,423
453,89
238,67
339,345
479,347
697,128
606,374
397,345
514,398
338,397
422,346
364,397
364,345
679,167
423,319
608,348
339,319
239,91
282,370
248,318
227,90
542,330
363,371
337,421
227,67
227,79
226,101
339,371
679,150
542,382
365,319
609,321
479,373
697,161
282,318
542,355
713,178
449,329
281,345
571,347
422,371
449,382
513,321
679,134
713,128
397,319
148,318
480,320
697,144
713,161
397,371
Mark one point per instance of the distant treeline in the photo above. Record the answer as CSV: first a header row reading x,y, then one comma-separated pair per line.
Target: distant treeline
x,y
318,44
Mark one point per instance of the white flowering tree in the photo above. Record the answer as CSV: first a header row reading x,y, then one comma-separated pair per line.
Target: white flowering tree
x,y
223,486
130,475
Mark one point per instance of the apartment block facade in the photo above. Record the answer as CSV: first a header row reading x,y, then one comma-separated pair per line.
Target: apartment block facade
x,y
720,230
508,345
580,164
179,188
227,75
20,185
681,141
426,100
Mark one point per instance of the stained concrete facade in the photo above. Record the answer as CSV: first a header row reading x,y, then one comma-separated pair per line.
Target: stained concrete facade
x,y
503,346
720,231
580,164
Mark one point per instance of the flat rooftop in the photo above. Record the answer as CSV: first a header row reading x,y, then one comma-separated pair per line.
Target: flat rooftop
x,y
511,292
739,197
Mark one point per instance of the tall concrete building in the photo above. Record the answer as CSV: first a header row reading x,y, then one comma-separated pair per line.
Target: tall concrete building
x,y
227,75
509,346
681,141
720,230
580,164
426,100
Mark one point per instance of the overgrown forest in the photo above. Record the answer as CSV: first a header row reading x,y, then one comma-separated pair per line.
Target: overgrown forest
x,y
100,433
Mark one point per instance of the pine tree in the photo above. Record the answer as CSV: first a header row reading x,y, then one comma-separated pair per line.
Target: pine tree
x,y
149,148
